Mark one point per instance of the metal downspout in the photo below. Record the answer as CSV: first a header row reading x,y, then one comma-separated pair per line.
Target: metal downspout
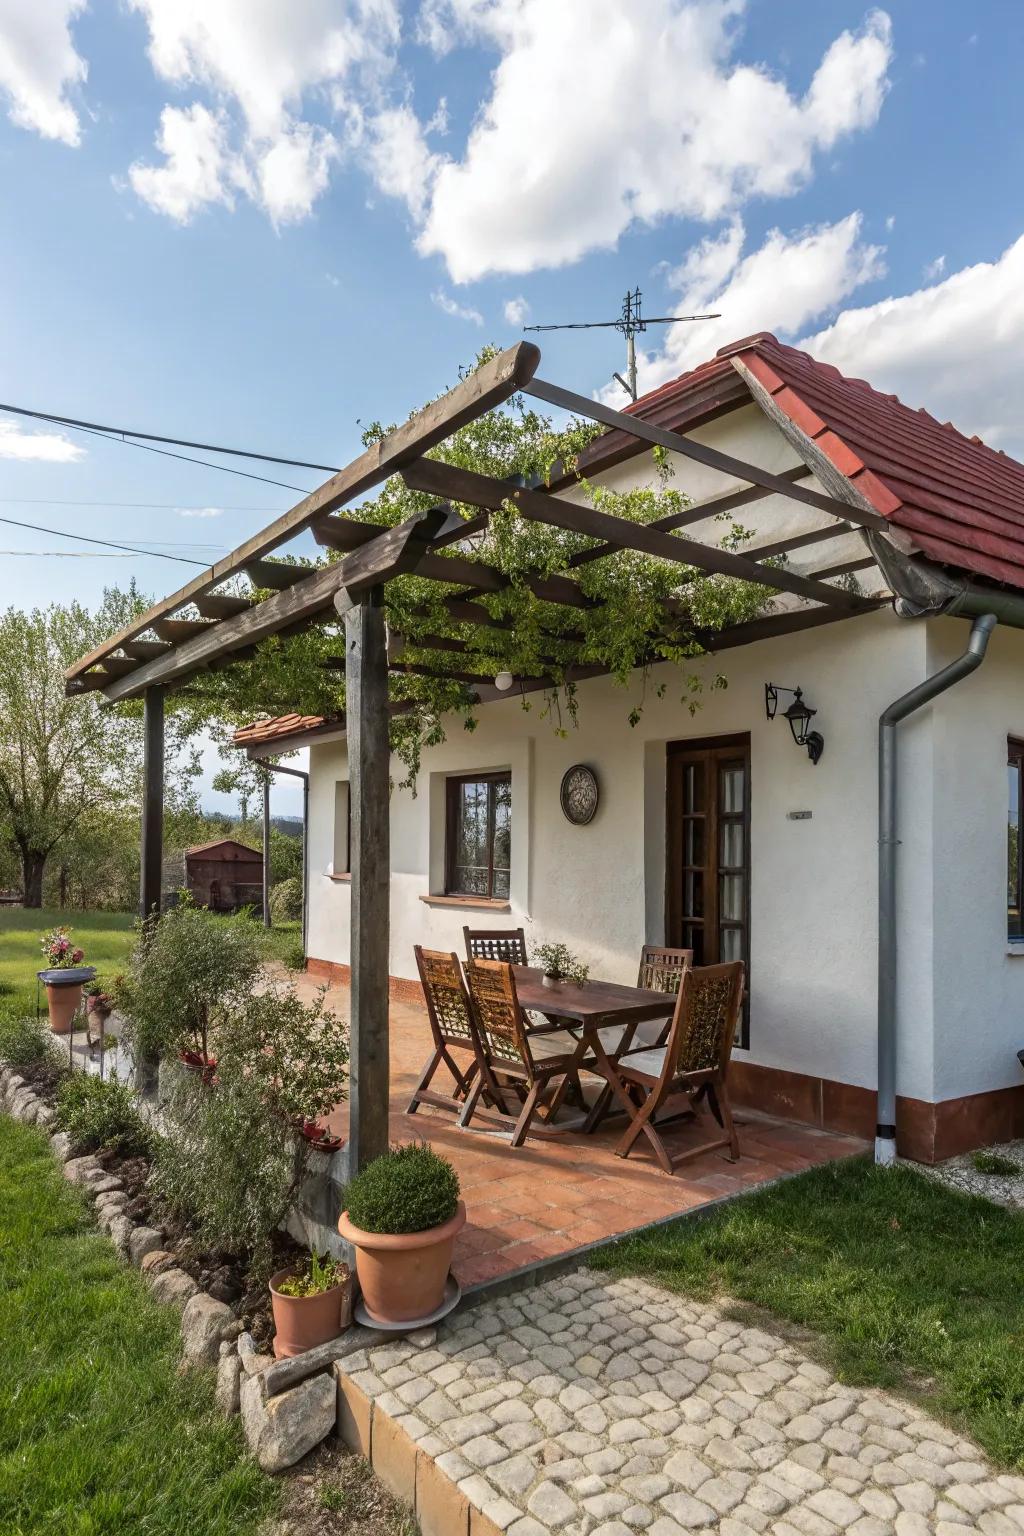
x,y
297,773
888,843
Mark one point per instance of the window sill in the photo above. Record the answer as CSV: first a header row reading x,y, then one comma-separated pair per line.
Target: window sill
x,y
483,903
1015,947
340,879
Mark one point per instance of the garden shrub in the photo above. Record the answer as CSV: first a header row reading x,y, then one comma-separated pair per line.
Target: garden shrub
x,y
407,1189
294,1054
28,1045
100,1114
228,1166
187,974
286,901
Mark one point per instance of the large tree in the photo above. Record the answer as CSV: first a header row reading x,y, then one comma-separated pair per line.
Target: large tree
x,y
65,763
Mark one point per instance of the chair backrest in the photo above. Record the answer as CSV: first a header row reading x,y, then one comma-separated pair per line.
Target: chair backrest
x,y
508,944
661,970
704,1022
496,1011
448,1005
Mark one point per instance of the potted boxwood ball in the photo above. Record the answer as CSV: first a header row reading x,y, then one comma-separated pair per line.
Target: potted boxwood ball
x,y
403,1215
311,1305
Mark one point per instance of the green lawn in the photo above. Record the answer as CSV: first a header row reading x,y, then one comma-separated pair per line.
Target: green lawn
x,y
98,1434
106,938
905,1284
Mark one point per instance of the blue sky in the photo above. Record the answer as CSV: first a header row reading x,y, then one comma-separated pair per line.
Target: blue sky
x,y
257,223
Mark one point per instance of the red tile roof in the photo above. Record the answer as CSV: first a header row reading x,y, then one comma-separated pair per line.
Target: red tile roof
x,y
269,730
223,842
960,502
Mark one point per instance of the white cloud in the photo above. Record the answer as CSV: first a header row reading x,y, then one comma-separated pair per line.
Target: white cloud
x,y
516,311
789,281
449,306
39,66
935,268
890,222
955,347
267,68
198,168
50,447
200,511
601,116
399,158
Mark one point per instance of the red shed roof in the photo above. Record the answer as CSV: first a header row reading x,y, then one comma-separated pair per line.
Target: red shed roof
x,y
223,842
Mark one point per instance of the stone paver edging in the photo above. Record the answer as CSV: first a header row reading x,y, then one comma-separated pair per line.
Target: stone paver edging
x,y
598,1407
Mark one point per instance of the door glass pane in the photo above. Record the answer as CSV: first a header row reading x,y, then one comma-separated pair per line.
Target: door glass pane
x,y
693,842
731,783
730,898
731,839
693,787
1013,848
693,893
693,938
730,944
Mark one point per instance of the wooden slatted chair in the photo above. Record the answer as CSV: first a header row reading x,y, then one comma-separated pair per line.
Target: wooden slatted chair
x,y
661,969
515,1056
694,1061
452,1028
508,944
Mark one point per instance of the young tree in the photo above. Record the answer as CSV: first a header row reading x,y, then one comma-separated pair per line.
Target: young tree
x,y
64,762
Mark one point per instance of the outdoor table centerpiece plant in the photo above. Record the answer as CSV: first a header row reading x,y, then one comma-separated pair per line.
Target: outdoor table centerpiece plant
x,y
560,964
63,976
311,1305
403,1215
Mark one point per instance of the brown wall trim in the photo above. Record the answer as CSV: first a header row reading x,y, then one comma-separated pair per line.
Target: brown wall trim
x,y
925,1132
401,989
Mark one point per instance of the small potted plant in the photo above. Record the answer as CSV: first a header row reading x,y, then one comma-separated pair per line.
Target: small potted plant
x,y
312,1305
320,1137
403,1215
560,964
99,1005
63,976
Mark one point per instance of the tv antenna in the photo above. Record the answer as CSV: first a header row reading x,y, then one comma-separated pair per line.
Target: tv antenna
x,y
630,323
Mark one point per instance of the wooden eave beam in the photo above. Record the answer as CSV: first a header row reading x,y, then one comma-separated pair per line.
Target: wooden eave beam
x,y
176,630
465,485
480,392
800,541
144,650
276,574
844,568
713,458
221,605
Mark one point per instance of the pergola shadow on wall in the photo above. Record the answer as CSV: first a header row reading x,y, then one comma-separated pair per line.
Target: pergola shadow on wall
x,y
202,626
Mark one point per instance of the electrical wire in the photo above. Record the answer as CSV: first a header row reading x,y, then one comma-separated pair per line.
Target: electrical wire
x,y
144,506
156,437
186,458
82,538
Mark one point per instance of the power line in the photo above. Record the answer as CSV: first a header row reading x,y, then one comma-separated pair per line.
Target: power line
x,y
186,458
65,554
156,437
82,538
145,506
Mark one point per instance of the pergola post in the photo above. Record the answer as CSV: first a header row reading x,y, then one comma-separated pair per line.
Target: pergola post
x,y
366,714
266,847
152,832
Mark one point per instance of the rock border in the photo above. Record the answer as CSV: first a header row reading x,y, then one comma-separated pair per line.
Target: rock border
x,y
287,1406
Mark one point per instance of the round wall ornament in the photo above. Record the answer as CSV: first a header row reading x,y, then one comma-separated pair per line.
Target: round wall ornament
x,y
579,794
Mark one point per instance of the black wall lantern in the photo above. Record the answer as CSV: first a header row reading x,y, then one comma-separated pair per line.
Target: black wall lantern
x,y
799,716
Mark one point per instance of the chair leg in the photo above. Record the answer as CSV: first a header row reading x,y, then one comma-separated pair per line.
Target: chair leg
x,y
472,1099
424,1083
642,1122
718,1103
523,1123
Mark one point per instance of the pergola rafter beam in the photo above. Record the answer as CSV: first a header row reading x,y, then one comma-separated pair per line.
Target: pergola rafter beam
x,y
713,458
466,485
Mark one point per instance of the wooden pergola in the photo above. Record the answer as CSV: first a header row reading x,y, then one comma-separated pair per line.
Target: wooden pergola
x,y
202,626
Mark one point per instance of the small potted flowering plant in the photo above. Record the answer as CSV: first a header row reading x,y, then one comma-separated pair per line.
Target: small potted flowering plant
x,y
99,1005
560,964
311,1304
63,976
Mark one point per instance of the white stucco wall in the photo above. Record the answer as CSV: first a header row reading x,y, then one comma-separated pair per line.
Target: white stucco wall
x,y
600,889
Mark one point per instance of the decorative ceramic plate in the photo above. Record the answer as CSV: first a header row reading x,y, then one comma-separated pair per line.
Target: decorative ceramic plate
x,y
451,1299
579,794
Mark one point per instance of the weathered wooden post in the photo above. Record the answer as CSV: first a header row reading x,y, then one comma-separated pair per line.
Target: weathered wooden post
x,y
366,717
152,831
266,847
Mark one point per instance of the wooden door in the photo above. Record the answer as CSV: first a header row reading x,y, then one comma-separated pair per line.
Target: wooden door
x,y
707,907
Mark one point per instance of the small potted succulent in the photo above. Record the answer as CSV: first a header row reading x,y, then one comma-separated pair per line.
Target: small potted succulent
x,y
63,976
403,1216
312,1305
560,964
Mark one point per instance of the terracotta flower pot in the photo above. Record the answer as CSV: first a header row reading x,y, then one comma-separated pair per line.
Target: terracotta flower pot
x,y
402,1276
303,1322
195,1061
63,1001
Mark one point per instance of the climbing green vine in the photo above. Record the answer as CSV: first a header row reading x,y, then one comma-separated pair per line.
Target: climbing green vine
x,y
641,610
